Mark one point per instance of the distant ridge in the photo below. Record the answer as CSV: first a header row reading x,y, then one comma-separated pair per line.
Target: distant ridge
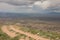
x,y
37,16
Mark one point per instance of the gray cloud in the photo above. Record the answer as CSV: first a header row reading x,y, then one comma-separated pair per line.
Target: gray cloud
x,y
31,5
47,6
19,2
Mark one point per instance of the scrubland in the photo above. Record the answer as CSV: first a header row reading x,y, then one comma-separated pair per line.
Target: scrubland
x,y
44,29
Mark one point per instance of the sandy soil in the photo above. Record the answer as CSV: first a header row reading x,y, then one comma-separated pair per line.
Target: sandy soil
x,y
5,29
22,39
28,34
27,38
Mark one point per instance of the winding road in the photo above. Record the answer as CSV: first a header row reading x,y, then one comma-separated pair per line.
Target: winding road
x,y
36,37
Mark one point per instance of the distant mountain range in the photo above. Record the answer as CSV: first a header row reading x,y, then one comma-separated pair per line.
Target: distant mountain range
x,y
44,16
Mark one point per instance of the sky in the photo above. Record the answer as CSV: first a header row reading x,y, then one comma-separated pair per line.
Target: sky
x,y
30,6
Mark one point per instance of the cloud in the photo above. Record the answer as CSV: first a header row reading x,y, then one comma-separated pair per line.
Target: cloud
x,y
30,5
5,6
47,6
16,5
19,2
43,5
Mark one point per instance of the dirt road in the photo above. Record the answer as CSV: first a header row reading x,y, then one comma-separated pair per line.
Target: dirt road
x,y
28,34
5,29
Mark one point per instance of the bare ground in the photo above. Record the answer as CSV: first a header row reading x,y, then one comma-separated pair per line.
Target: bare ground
x,y
5,29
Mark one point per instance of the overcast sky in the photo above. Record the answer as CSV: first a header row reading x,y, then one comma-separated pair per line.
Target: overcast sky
x,y
30,6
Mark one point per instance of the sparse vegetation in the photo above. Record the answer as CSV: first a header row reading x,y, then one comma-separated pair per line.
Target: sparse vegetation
x,y
45,34
43,29
4,36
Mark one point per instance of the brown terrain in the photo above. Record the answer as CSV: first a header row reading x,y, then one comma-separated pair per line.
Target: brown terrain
x,y
6,29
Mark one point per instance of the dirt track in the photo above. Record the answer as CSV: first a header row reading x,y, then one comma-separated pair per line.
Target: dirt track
x,y
27,34
6,30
